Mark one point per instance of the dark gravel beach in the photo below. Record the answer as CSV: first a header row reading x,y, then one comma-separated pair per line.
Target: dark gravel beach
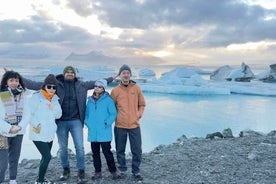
x,y
239,160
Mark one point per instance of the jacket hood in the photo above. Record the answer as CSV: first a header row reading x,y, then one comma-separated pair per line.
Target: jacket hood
x,y
105,94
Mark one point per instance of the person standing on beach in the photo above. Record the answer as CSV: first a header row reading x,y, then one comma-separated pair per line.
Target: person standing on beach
x,y
99,116
45,109
72,93
130,103
14,117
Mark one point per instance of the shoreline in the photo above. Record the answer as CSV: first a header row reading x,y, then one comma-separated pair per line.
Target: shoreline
x,y
243,160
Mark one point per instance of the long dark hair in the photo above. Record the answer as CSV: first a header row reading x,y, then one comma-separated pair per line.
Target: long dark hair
x,y
8,75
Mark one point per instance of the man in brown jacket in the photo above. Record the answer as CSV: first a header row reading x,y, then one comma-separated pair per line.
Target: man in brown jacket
x,y
130,103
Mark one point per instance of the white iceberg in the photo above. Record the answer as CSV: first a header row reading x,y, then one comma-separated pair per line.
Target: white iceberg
x,y
146,72
184,80
244,73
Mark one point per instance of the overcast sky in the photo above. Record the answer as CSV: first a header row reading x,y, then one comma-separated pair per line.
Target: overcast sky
x,y
198,32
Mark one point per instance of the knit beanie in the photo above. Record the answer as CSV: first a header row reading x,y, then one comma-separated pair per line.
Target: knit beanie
x,y
101,82
50,79
124,67
69,68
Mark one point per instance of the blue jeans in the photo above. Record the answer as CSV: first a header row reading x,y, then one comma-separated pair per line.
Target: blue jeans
x,y
76,130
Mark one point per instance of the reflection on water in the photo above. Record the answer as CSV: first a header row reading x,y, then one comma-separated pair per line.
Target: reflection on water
x,y
169,116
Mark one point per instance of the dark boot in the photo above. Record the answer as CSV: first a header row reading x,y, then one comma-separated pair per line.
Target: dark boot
x,y
97,175
138,177
116,176
81,177
65,175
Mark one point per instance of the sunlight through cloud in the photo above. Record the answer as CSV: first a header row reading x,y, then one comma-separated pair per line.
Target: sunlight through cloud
x,y
250,46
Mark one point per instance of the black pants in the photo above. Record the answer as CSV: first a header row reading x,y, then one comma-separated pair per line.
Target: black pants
x,y
106,148
44,149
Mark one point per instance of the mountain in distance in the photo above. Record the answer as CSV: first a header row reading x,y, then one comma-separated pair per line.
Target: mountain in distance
x,y
91,56
98,57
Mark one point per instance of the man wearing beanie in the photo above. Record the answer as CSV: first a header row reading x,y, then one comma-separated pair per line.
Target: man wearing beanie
x,y
124,67
72,93
130,102
69,68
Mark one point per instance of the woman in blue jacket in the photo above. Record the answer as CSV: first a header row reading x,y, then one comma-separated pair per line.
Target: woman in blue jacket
x,y
99,117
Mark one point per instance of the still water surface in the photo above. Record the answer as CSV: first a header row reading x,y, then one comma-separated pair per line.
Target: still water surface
x,y
168,116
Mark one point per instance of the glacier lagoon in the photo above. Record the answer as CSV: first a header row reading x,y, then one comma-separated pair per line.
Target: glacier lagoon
x,y
168,116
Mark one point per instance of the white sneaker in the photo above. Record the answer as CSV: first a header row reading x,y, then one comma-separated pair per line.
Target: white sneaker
x,y
46,181
13,182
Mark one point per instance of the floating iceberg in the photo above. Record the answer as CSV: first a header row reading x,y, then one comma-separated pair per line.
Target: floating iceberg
x,y
242,74
146,72
184,80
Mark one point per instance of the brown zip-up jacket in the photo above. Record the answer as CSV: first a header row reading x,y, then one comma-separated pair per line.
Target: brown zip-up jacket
x,y
130,104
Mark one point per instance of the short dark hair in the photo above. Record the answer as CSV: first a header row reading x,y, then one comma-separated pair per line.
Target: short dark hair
x,y
8,75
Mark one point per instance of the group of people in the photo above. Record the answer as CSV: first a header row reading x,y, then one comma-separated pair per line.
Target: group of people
x,y
60,106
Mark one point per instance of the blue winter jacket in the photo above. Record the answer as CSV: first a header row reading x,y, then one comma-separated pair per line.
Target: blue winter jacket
x,y
99,117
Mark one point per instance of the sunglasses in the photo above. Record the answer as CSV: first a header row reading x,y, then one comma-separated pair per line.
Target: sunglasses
x,y
51,87
98,87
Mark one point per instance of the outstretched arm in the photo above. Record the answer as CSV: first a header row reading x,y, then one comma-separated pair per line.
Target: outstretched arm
x,y
30,84
90,84
115,76
110,79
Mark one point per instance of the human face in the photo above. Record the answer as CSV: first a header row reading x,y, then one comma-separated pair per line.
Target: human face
x,y
98,89
69,75
125,76
13,83
51,89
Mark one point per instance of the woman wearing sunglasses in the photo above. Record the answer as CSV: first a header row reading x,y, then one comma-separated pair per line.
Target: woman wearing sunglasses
x,y
99,117
45,109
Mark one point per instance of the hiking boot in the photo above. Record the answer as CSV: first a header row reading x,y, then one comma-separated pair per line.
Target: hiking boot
x,y
138,177
65,175
116,176
123,175
81,176
96,175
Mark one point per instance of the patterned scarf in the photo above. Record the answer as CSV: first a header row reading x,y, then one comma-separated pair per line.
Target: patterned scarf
x,y
13,105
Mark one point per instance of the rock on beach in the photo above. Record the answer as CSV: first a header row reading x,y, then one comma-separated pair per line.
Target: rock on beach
x,y
238,160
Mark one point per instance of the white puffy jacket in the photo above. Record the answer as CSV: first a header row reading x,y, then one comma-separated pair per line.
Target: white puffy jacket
x,y
43,115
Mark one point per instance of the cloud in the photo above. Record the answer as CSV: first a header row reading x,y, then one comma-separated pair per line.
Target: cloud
x,y
231,21
83,7
189,29
38,30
